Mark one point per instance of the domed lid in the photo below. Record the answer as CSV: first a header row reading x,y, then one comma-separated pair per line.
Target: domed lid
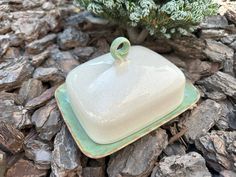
x,y
123,91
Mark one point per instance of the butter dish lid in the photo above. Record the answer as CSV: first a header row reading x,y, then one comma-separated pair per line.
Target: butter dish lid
x,y
123,91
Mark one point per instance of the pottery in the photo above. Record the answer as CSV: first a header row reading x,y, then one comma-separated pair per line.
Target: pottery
x,y
120,93
95,150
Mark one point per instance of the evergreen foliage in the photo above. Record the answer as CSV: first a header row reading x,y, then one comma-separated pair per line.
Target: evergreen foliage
x,y
165,17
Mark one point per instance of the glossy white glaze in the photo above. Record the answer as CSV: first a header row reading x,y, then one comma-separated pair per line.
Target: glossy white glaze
x,y
113,100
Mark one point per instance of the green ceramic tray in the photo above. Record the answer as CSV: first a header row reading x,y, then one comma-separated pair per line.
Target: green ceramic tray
x,y
94,150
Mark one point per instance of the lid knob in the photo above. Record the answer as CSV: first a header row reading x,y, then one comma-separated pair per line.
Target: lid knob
x,y
120,54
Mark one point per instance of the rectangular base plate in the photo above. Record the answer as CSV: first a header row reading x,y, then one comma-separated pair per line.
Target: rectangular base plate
x,y
94,150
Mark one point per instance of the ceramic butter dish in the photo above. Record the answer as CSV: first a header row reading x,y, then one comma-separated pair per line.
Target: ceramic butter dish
x,y
117,94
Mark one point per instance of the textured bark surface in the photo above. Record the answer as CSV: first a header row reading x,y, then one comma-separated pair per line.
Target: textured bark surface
x,y
229,10
227,119
39,152
221,82
175,149
188,165
31,89
65,156
227,173
47,120
201,120
2,163
139,158
39,45
71,38
218,148
14,72
214,22
189,47
51,74
93,171
11,110
41,99
218,52
25,168
11,139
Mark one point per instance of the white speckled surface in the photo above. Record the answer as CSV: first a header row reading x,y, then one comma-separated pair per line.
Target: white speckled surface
x,y
113,100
